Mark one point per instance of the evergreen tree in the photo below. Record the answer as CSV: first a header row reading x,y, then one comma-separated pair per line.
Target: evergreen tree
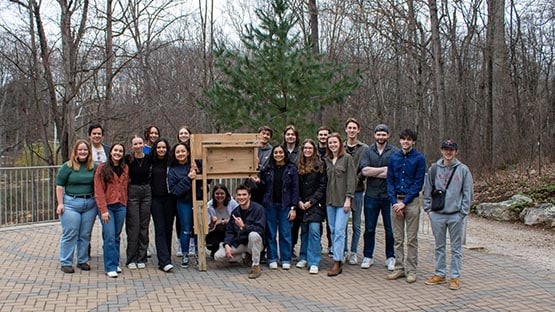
x,y
276,81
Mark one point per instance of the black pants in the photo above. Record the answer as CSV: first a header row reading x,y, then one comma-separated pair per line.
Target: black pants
x,y
163,214
137,221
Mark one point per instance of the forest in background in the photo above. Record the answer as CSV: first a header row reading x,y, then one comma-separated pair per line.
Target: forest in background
x,y
480,72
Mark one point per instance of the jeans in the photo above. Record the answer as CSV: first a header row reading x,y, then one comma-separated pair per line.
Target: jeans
x,y
254,247
111,233
77,223
137,222
311,247
454,223
277,220
337,218
185,214
357,216
163,213
372,209
408,222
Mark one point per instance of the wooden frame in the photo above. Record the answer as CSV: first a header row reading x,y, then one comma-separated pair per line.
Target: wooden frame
x,y
230,155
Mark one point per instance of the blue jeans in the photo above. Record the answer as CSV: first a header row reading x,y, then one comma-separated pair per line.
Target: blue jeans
x,y
77,223
454,223
357,220
185,215
276,220
111,233
337,218
372,209
311,247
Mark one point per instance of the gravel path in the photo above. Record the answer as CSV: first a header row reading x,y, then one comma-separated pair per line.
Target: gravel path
x,y
534,245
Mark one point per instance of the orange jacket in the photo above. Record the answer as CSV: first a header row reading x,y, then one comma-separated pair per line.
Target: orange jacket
x,y
113,192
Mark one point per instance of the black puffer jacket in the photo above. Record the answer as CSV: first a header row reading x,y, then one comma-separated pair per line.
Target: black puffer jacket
x,y
312,187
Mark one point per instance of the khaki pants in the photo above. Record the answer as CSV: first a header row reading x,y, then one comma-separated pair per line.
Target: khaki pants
x,y
254,247
408,223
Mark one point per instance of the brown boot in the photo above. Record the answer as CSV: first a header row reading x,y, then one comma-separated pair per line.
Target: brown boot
x,y
255,272
335,269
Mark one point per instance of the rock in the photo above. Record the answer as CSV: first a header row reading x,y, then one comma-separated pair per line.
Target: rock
x,y
502,211
542,215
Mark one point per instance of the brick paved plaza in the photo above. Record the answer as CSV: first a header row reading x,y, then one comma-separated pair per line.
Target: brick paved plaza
x,y
31,280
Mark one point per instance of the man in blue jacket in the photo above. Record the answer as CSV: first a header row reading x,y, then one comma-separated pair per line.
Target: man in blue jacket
x,y
244,233
405,176
452,177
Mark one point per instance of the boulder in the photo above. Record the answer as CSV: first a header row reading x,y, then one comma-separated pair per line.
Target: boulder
x,y
502,211
542,215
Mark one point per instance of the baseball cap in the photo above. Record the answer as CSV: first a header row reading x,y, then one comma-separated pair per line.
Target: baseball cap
x,y
381,127
449,144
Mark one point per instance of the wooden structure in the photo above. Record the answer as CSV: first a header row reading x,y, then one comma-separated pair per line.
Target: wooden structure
x,y
223,156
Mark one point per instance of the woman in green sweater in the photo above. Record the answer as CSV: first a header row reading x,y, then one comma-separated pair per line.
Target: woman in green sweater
x,y
76,206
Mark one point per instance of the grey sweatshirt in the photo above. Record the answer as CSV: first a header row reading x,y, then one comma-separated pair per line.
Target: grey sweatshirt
x,y
460,192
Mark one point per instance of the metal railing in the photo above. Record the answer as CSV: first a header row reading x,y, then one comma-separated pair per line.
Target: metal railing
x,y
27,195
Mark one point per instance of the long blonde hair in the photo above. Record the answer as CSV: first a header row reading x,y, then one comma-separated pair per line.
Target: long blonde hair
x,y
74,162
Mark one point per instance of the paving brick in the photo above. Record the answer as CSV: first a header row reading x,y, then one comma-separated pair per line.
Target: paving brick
x,y
31,280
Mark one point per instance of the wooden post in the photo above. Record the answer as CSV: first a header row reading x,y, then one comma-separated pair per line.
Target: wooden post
x,y
231,155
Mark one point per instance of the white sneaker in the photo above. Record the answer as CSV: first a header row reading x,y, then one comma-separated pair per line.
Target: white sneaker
x,y
390,263
273,266
366,263
118,270
313,269
345,256
286,266
141,265
167,268
112,274
353,259
301,264
132,266
192,247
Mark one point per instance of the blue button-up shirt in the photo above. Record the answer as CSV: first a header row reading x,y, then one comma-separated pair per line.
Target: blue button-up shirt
x,y
405,175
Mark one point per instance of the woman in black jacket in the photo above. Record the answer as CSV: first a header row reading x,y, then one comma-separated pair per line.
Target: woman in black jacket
x,y
312,189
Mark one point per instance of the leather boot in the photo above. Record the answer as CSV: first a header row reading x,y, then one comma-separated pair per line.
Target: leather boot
x,y
335,269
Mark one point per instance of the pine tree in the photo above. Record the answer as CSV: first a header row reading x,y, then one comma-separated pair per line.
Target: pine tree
x,y
277,80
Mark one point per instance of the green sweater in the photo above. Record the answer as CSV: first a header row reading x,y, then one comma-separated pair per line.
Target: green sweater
x,y
76,182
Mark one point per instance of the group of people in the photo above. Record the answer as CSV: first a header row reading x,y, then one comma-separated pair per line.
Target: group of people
x,y
297,188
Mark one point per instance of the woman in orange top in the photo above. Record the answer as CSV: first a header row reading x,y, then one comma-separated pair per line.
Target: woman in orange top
x,y
110,190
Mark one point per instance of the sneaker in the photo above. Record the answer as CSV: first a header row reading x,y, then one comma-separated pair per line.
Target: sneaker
x,y
192,247
411,278
286,266
396,274
185,262
330,253
167,268
366,263
84,266
255,272
390,263
119,270
435,280
454,283
345,256
301,264
67,269
141,265
132,266
112,274
313,269
353,259
273,265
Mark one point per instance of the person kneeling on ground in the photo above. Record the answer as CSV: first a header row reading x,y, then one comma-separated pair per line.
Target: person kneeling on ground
x,y
244,233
